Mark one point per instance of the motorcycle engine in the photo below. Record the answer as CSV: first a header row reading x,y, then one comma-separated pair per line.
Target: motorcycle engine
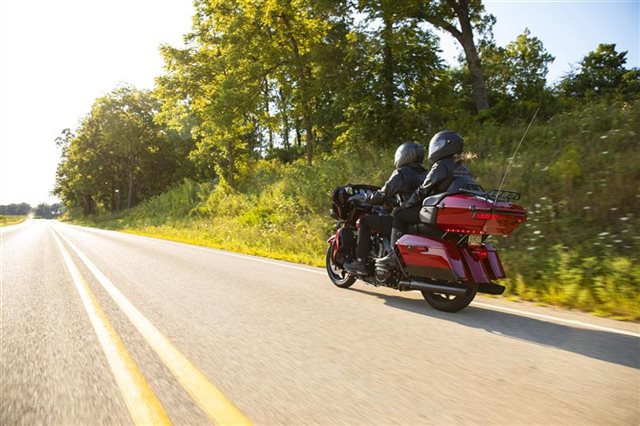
x,y
386,276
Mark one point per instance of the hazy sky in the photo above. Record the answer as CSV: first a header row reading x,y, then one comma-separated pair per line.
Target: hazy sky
x,y
56,57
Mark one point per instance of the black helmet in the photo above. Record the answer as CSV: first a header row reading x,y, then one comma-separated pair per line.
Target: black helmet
x,y
408,153
444,144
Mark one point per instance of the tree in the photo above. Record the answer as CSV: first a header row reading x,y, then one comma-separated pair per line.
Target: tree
x,y
215,81
48,211
119,151
602,72
393,75
528,61
516,75
21,209
254,62
470,15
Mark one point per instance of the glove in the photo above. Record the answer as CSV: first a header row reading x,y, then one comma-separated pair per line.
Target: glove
x,y
377,197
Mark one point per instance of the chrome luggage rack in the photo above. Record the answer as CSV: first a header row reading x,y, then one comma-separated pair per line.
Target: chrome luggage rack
x,y
502,195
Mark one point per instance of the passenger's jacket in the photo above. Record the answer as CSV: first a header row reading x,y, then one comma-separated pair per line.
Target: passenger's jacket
x,y
445,176
403,181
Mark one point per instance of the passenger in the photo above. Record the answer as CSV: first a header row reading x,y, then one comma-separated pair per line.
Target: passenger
x,y
407,176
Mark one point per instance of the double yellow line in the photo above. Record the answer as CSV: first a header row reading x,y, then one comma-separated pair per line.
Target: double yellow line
x,y
143,405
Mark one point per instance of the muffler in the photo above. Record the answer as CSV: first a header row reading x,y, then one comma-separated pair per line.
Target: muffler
x,y
490,288
436,288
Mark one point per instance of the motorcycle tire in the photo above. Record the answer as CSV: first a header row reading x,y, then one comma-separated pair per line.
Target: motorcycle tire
x,y
450,303
338,276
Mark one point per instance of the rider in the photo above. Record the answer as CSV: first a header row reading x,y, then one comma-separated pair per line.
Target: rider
x,y
447,174
407,176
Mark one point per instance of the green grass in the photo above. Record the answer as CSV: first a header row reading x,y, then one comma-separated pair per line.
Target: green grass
x,y
577,173
11,220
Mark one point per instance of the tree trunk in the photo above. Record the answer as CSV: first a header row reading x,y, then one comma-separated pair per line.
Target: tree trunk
x,y
267,110
230,165
306,108
388,63
286,129
473,59
114,194
311,140
303,74
298,137
88,205
131,186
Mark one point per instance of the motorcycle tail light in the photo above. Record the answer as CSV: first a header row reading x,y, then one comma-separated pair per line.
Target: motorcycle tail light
x,y
463,231
479,254
486,216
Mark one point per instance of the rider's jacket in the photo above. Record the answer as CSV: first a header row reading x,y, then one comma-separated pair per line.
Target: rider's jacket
x,y
403,181
446,175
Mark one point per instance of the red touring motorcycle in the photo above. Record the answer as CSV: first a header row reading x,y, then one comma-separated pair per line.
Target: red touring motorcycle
x,y
449,262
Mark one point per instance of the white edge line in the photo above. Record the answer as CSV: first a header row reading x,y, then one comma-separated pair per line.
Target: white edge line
x,y
322,272
555,319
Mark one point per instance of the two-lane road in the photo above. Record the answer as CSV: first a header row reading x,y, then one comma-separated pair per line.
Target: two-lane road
x,y
100,327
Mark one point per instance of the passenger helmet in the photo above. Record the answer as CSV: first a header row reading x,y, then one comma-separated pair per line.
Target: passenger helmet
x,y
408,153
444,144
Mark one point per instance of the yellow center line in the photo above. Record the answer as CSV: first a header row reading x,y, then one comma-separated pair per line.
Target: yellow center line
x,y
143,405
209,398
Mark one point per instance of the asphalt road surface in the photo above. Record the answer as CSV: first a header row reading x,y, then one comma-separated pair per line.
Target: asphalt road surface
x,y
101,327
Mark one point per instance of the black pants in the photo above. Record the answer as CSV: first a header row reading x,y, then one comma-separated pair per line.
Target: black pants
x,y
401,219
381,224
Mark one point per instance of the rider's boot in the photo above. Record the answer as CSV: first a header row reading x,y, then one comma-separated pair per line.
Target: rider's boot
x,y
356,266
391,259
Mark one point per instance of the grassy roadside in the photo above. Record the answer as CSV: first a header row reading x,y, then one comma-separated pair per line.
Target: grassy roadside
x,y
11,220
231,237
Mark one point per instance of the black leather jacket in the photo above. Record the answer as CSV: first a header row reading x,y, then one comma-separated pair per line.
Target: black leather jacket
x,y
445,176
403,181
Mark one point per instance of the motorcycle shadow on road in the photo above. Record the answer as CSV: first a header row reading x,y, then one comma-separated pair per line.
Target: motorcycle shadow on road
x,y
602,345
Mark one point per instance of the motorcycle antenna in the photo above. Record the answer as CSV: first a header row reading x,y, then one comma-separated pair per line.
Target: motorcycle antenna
x,y
514,155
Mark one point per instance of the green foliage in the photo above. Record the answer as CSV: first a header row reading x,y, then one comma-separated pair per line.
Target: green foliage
x,y
48,211
464,21
516,77
607,286
174,205
602,73
119,154
6,220
21,209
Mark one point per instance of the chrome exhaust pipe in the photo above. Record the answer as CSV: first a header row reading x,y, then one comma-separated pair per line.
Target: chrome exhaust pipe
x,y
436,288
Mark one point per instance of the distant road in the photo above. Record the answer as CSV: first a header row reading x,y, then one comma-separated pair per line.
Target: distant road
x,y
100,327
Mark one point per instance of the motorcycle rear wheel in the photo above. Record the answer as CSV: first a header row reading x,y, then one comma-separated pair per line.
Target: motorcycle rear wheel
x,y
450,303
338,276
